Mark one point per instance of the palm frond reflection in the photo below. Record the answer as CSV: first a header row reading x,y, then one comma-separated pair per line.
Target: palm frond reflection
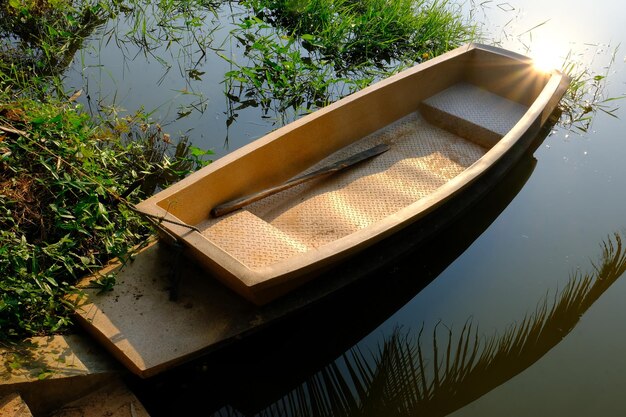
x,y
407,376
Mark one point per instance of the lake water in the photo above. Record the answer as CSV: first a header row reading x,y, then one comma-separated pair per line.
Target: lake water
x,y
509,256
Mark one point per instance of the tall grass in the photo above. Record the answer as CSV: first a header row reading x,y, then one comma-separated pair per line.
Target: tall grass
x,y
301,55
67,182
352,33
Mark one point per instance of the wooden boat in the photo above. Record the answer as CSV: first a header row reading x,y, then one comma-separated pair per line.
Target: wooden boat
x,y
446,123
144,329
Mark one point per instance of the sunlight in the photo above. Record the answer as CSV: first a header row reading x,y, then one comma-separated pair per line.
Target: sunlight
x,y
547,56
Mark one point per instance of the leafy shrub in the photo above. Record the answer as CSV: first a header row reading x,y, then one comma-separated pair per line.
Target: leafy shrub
x,y
62,179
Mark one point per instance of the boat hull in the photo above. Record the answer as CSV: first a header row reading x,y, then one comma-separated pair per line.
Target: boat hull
x,y
448,122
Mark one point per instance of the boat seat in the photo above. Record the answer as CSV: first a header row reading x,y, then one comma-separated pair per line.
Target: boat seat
x,y
251,240
473,113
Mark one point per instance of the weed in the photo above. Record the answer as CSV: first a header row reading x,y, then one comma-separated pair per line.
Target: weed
x,y
352,33
304,55
277,72
104,283
586,94
59,219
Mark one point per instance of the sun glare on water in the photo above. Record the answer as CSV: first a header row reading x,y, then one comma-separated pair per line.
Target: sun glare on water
x,y
547,56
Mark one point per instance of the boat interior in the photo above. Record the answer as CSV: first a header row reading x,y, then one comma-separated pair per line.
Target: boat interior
x,y
438,119
424,154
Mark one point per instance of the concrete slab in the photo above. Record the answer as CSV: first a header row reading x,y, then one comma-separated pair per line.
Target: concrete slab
x,y
50,371
147,332
112,400
12,405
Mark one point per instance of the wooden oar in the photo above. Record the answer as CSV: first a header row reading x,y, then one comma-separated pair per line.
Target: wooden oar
x,y
236,204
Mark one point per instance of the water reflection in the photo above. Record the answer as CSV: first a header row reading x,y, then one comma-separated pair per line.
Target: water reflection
x,y
40,40
407,376
143,45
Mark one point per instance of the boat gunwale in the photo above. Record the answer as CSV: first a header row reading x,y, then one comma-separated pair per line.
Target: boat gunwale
x,y
251,280
415,211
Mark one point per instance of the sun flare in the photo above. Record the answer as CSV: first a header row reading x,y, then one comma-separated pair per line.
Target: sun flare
x,y
547,56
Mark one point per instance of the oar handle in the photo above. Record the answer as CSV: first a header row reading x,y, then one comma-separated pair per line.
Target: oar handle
x,y
238,203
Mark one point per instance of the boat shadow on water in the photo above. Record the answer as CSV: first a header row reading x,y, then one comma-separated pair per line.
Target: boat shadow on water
x,y
308,363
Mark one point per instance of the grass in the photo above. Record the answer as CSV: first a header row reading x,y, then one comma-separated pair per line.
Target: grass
x,y
278,75
302,55
354,33
61,211
68,183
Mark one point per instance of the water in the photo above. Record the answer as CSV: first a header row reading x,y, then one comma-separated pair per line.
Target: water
x,y
571,201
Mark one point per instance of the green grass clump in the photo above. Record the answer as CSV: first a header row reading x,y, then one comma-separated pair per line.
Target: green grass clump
x,y
301,55
353,33
67,182
61,218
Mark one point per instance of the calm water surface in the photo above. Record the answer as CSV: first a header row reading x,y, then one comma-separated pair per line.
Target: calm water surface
x,y
570,201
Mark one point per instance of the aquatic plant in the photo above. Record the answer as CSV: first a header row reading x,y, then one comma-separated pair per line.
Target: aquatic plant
x,y
298,56
352,33
278,74
184,28
586,95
